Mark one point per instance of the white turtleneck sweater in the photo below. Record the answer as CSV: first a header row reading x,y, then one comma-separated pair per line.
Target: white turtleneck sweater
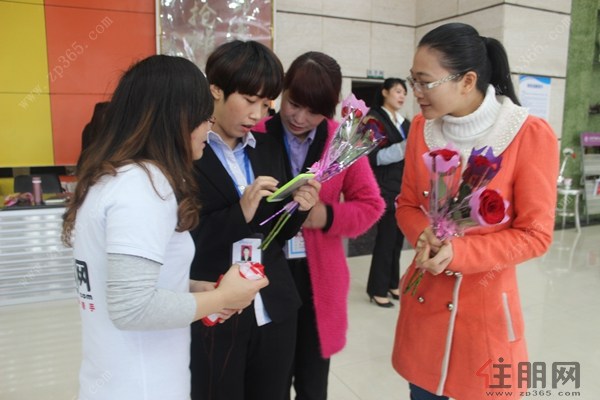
x,y
495,123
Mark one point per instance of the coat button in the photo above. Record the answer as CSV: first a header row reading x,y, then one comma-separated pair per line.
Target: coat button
x,y
450,306
421,299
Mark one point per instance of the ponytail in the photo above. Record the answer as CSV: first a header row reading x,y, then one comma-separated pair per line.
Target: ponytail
x,y
500,70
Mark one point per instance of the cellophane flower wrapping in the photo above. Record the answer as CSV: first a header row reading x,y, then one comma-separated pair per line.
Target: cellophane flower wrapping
x,y
459,202
357,135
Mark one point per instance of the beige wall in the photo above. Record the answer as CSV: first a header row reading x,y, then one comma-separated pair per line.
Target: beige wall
x,y
382,34
360,35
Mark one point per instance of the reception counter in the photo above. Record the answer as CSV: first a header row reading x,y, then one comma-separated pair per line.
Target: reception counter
x,y
34,264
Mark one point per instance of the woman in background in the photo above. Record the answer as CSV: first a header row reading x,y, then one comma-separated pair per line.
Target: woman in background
x,y
387,161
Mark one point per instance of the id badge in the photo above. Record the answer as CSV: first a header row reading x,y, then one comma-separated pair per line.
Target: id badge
x,y
294,248
247,249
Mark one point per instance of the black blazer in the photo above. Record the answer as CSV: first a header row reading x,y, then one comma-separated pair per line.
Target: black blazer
x,y
222,223
389,177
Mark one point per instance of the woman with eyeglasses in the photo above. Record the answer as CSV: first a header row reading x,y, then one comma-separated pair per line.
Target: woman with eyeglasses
x,y
128,223
461,333
387,161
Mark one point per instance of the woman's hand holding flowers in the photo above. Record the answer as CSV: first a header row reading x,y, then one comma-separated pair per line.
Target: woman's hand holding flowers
x,y
434,262
457,202
355,137
307,195
428,237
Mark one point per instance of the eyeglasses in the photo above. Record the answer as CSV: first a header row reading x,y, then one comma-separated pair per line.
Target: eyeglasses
x,y
425,87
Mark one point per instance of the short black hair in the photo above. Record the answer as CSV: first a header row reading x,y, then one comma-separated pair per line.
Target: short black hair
x,y
249,68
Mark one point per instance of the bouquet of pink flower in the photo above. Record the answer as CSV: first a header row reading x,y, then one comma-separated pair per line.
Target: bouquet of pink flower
x,y
357,135
457,204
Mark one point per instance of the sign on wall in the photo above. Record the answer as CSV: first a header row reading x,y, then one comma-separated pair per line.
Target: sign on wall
x,y
534,94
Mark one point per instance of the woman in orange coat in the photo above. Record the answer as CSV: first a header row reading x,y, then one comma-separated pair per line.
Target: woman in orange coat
x,y
461,333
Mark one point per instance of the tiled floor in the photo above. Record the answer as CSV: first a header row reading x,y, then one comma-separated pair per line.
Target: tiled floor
x,y
39,343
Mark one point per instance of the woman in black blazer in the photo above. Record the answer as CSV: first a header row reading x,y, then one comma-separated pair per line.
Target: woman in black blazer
x,y
250,355
387,161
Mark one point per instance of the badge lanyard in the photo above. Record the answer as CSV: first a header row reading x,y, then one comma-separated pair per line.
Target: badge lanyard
x,y
240,188
294,247
288,151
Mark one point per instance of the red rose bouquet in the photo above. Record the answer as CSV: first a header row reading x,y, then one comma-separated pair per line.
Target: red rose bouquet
x,y
457,204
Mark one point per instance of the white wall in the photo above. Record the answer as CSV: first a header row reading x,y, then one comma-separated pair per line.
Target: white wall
x,y
382,35
360,35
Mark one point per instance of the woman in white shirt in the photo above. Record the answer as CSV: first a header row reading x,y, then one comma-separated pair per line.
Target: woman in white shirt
x,y
128,224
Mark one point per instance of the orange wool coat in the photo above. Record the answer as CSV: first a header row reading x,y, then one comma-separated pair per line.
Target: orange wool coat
x,y
456,327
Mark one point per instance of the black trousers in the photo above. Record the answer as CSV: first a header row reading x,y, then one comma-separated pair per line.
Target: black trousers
x,y
310,371
238,360
385,262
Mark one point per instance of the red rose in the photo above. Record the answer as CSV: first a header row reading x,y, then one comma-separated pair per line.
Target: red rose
x,y
445,153
481,161
491,207
346,110
478,169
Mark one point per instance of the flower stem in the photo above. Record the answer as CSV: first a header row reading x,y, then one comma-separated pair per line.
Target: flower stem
x,y
413,282
275,230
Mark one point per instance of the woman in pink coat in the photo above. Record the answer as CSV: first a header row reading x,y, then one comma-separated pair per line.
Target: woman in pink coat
x,y
461,333
349,204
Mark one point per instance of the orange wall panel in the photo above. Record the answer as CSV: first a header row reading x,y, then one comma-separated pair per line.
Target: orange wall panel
x,y
88,50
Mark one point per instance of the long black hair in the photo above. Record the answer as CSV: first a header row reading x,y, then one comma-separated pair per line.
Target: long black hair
x,y
464,50
157,104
